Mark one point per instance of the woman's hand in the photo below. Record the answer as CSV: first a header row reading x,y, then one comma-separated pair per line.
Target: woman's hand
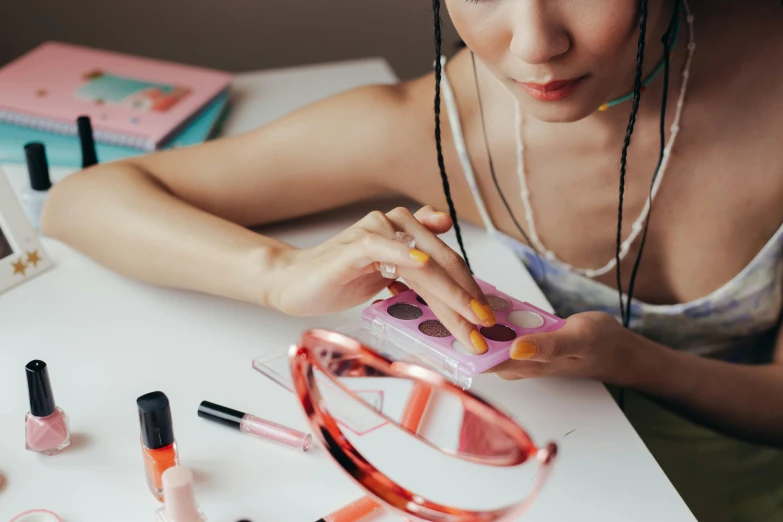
x,y
590,344
344,272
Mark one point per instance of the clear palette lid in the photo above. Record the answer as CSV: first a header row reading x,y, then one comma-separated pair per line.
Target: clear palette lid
x,y
389,342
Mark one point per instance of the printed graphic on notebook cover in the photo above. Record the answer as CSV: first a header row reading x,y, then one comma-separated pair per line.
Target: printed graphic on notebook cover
x,y
105,87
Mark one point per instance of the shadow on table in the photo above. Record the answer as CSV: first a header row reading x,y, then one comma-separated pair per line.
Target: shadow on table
x,y
79,441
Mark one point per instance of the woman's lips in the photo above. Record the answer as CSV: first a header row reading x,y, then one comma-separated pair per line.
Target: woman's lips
x,y
552,91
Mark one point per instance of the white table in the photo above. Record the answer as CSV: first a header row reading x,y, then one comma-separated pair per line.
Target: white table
x,y
108,340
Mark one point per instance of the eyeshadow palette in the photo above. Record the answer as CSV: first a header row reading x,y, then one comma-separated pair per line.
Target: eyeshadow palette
x,y
408,322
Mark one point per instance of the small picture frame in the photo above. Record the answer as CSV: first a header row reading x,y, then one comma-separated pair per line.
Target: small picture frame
x,y
22,256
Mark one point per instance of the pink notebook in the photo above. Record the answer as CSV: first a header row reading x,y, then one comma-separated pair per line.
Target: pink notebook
x,y
132,101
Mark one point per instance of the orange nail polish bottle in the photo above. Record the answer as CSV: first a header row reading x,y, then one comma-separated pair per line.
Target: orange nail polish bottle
x,y
159,449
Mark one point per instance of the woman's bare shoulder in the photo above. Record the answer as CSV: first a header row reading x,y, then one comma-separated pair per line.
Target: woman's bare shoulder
x,y
420,175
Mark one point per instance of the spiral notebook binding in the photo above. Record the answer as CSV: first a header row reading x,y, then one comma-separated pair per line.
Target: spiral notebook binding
x,y
70,129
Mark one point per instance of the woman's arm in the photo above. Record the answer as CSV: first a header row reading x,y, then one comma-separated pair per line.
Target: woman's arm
x,y
177,217
744,401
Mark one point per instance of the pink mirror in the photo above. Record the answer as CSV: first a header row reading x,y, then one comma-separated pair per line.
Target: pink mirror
x,y
419,444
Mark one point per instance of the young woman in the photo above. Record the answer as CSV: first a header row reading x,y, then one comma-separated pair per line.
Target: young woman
x,y
536,134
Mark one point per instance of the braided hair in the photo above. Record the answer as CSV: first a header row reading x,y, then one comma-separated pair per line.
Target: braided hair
x,y
625,305
438,145
637,94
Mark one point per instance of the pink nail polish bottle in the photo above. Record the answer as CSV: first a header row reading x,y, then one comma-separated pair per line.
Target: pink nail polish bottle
x,y
179,504
46,425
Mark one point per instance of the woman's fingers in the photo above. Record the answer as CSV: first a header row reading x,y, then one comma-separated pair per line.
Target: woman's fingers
x,y
371,249
444,256
436,222
435,269
438,283
465,332
448,300
397,287
377,222
511,370
413,265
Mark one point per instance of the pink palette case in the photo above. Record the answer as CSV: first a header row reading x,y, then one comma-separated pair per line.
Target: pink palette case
x,y
406,320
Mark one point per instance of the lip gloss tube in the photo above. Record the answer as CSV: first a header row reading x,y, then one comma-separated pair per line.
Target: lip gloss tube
x,y
252,425
159,449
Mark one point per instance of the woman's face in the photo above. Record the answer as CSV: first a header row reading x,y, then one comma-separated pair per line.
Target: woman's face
x,y
561,59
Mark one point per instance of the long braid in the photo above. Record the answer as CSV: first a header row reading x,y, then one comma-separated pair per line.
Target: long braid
x,y
637,91
438,145
666,40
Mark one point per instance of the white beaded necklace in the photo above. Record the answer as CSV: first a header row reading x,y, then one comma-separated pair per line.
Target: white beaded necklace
x,y
639,223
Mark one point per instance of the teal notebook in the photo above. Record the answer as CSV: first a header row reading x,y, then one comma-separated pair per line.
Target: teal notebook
x,y
64,151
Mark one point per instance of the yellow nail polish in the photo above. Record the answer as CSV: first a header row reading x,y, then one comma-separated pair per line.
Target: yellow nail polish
x,y
418,255
492,320
479,310
523,350
483,312
478,341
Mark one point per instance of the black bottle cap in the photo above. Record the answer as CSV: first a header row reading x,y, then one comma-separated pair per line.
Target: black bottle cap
x,y
37,166
220,414
89,155
39,388
157,430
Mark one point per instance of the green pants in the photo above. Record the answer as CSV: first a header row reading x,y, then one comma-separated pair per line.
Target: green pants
x,y
721,479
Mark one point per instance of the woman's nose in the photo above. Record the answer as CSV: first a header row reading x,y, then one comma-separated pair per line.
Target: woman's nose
x,y
538,36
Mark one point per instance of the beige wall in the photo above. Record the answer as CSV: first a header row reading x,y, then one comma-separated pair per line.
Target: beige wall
x,y
234,35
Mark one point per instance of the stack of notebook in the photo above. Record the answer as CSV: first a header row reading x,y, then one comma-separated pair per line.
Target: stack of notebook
x,y
135,105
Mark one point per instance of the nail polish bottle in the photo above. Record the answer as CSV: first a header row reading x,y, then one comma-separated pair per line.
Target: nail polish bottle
x,y
34,196
180,502
158,447
46,425
87,141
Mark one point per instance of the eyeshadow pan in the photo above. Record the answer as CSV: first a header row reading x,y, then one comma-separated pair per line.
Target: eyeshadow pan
x,y
525,319
457,347
497,303
434,328
499,332
404,311
419,299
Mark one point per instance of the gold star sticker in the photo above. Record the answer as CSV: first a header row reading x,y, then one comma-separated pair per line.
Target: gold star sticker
x,y
33,258
19,267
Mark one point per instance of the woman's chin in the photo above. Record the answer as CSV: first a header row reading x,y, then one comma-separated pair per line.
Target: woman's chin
x,y
564,111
